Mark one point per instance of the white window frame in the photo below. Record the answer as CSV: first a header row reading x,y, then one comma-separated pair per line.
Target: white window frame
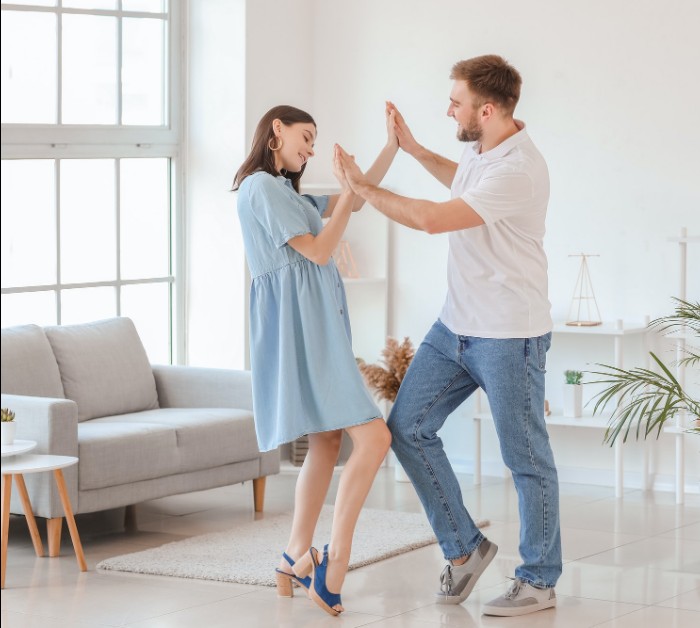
x,y
53,141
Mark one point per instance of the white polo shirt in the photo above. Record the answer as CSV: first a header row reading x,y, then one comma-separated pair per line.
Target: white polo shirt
x,y
497,272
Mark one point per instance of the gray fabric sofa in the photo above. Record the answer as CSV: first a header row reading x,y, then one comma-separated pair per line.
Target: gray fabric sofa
x,y
140,431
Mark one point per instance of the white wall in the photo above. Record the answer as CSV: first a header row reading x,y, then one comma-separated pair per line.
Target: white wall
x,y
215,148
610,98
244,57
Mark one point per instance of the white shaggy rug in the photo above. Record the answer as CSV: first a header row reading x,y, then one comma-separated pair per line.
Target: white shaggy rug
x,y
248,553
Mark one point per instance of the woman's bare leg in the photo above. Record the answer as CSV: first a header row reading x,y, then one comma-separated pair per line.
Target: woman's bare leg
x,y
311,489
371,443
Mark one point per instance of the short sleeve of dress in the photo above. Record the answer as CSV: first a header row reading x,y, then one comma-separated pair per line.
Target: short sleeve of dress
x,y
277,211
319,202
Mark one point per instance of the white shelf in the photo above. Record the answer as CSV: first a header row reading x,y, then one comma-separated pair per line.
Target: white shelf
x,y
586,421
676,430
687,239
681,335
606,329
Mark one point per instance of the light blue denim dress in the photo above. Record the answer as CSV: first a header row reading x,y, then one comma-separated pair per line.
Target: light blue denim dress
x,y
305,378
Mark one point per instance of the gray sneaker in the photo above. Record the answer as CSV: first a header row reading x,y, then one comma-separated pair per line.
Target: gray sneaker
x,y
521,598
457,581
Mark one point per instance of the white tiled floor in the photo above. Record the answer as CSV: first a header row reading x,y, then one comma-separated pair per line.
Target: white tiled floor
x,y
632,562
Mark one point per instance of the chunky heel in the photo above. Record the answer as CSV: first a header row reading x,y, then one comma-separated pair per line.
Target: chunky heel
x,y
284,585
293,578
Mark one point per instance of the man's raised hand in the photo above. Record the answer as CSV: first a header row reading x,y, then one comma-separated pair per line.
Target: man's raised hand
x,y
406,140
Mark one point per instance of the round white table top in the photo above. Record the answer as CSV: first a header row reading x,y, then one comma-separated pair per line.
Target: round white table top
x,y
35,463
18,447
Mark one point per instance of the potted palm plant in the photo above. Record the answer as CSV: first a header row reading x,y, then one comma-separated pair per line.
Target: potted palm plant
x,y
648,398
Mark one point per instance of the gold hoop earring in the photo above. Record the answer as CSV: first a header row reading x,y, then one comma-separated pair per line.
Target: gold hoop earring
x,y
279,144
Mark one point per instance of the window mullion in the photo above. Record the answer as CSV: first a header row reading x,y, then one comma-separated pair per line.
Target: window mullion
x,y
57,202
119,67
59,68
118,231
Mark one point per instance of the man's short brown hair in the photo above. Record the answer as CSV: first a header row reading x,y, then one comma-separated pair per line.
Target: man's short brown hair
x,y
491,79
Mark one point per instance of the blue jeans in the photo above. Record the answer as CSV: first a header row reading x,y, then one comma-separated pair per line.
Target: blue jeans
x,y
446,369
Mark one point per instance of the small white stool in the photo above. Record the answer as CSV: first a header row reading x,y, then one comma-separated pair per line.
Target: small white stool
x,y
17,466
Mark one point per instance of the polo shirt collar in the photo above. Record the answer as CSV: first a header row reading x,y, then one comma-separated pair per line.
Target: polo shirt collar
x,y
505,146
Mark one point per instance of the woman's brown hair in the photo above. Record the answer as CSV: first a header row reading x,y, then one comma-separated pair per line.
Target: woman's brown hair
x,y
261,158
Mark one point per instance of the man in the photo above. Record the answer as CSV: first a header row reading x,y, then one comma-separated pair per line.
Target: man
x,y
493,332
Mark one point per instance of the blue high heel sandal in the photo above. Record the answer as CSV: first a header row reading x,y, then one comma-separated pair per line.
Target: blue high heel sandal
x,y
286,580
318,591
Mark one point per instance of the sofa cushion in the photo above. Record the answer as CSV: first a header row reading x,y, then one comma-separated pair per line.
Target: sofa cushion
x,y
28,363
104,367
145,445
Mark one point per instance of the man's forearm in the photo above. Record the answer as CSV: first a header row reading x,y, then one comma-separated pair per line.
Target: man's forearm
x,y
440,167
409,212
376,172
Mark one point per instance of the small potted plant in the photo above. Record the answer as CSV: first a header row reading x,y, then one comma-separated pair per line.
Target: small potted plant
x,y
573,394
8,426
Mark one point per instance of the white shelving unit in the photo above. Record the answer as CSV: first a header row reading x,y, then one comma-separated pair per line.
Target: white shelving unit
x,y
617,331
678,431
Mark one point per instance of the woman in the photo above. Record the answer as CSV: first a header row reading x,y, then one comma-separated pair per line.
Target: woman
x,y
305,378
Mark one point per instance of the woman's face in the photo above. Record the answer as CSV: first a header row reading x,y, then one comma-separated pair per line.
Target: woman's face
x,y
297,144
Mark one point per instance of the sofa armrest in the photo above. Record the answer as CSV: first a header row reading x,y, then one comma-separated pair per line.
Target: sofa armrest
x,y
197,387
52,423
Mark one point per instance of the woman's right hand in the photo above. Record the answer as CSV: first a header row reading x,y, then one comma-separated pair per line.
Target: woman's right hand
x,y
403,134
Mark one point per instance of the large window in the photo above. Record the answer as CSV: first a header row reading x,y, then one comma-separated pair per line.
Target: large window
x,y
89,179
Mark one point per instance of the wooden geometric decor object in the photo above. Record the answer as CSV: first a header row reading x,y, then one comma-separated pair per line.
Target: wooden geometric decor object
x,y
345,261
584,308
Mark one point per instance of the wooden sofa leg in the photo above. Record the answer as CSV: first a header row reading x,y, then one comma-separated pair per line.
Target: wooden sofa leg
x,y
259,493
53,532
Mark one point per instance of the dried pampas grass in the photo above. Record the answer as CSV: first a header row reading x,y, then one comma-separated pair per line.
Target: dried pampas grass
x,y
385,378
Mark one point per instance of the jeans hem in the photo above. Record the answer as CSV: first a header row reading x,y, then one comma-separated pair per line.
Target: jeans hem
x,y
479,540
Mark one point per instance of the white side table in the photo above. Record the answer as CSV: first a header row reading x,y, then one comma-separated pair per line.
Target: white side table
x,y
16,467
18,447
21,447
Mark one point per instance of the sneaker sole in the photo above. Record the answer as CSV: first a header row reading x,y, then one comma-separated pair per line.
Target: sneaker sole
x,y
458,599
515,611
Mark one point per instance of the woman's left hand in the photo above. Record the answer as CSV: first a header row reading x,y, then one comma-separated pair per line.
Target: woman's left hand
x,y
338,171
353,175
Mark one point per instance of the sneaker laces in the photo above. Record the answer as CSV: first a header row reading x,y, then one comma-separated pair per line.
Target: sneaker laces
x,y
514,589
446,580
